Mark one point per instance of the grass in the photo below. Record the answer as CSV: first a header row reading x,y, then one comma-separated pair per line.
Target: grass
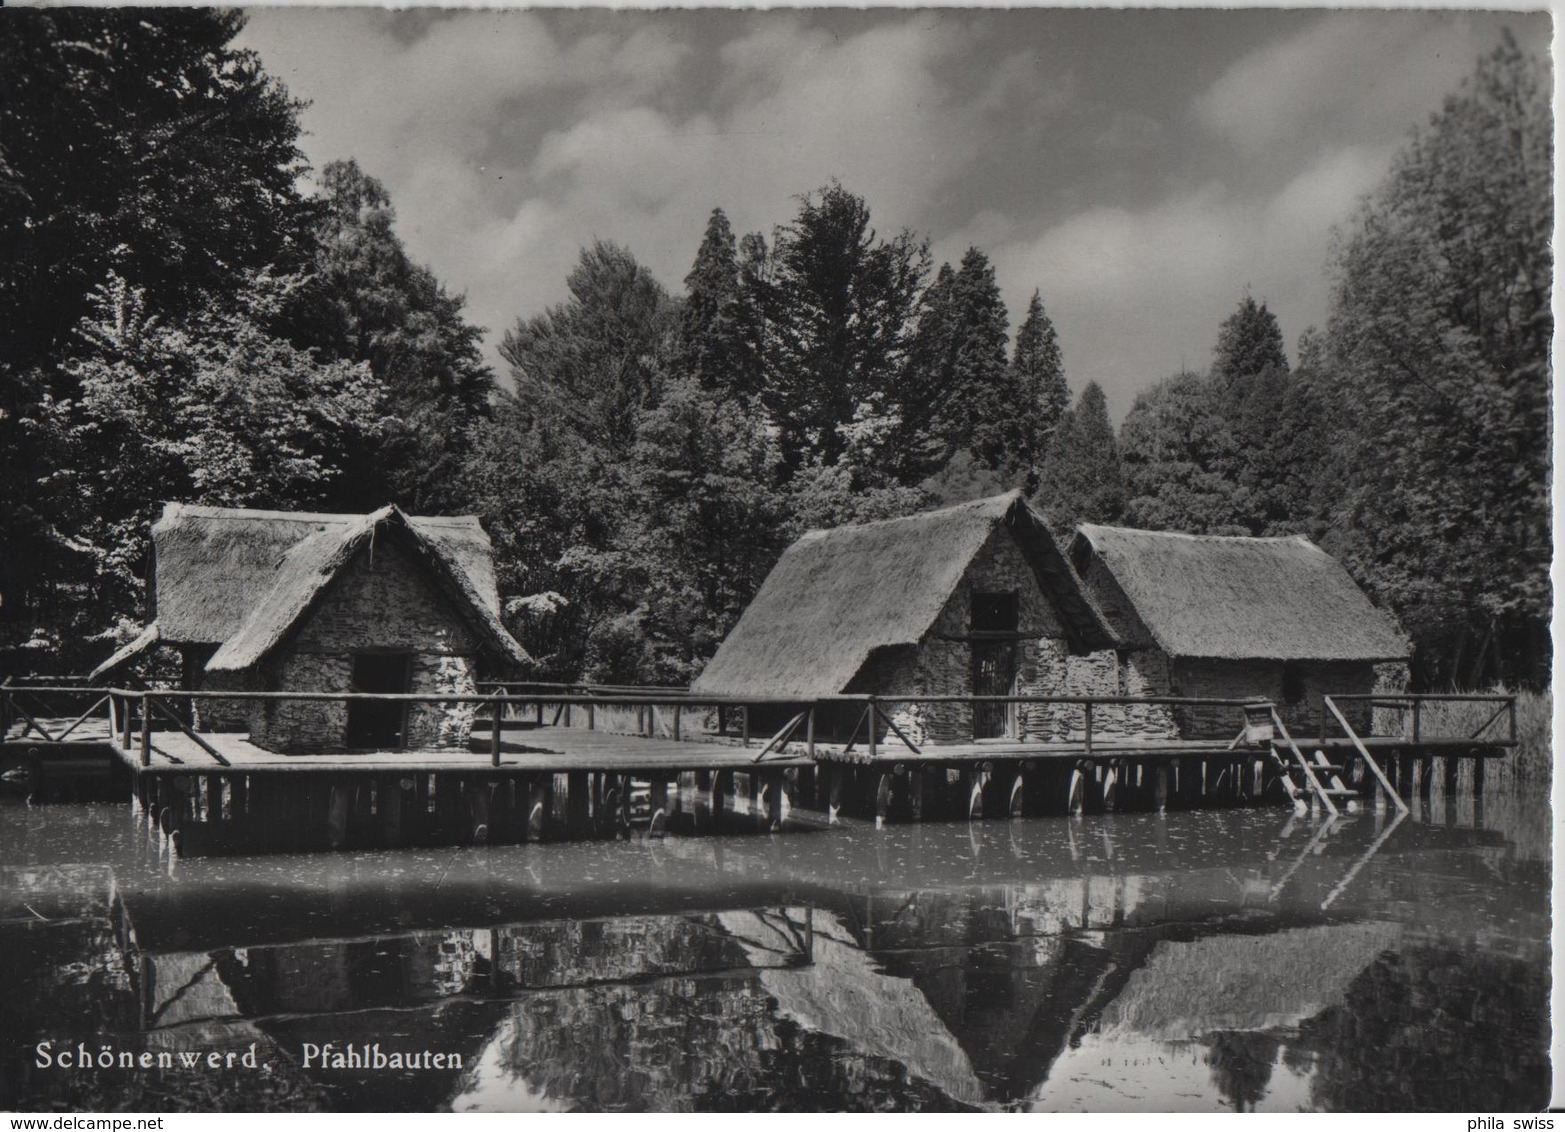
x,y
1532,762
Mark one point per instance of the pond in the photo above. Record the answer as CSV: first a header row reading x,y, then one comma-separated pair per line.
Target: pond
x,y
1196,961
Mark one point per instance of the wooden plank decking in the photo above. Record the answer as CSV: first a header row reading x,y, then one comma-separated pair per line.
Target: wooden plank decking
x,y
556,750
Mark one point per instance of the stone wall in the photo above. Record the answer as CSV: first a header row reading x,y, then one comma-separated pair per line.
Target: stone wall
x,y
220,715
1058,672
1045,666
382,601
1265,679
1222,679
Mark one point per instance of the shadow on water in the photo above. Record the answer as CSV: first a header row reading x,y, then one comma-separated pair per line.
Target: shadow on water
x,y
1207,960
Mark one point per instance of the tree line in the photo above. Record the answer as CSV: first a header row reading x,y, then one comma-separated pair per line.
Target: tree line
x,y
181,321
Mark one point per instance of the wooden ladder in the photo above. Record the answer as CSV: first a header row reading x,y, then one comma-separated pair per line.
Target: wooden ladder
x,y
1311,772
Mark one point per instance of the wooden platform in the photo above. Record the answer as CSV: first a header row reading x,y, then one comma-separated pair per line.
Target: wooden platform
x,y
567,749
547,750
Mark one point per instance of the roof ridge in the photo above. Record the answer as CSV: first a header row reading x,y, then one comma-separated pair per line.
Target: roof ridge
x,y
1302,539
967,504
253,514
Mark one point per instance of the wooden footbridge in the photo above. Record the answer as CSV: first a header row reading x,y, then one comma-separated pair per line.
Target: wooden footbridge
x,y
556,761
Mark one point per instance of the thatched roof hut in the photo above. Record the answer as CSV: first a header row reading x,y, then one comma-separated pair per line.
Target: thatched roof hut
x,y
837,596
1219,597
241,580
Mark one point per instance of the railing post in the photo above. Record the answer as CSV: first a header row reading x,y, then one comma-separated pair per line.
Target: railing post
x,y
1416,702
809,732
125,722
677,709
1087,711
1511,711
539,705
745,718
494,733
592,717
146,729
873,717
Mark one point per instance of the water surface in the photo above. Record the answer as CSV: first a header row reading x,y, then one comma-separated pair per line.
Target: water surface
x,y
1202,961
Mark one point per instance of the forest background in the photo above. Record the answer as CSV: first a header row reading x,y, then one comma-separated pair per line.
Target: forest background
x,y
181,321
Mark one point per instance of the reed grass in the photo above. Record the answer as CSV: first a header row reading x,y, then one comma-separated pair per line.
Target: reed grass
x,y
1531,763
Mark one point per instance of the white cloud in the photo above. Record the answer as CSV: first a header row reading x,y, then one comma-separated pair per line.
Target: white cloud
x,y
1136,295
1381,72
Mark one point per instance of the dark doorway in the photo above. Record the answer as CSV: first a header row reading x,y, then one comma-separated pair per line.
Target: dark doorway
x,y
993,621
379,724
994,667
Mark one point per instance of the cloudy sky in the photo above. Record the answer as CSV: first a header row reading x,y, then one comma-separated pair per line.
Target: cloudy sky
x,y
1143,169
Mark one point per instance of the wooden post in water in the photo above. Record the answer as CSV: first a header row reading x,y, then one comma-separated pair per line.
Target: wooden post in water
x,y
577,788
772,791
479,795
882,800
722,788
973,793
659,806
537,806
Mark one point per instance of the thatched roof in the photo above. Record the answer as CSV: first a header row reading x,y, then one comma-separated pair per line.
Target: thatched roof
x,y
1222,597
1245,982
142,642
242,579
836,596
455,552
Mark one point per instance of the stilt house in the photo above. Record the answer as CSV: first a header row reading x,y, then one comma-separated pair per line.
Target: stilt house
x,y
975,598
295,601
979,599
1212,616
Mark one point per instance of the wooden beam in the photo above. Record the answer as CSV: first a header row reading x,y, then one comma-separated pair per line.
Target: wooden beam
x,y
896,730
781,737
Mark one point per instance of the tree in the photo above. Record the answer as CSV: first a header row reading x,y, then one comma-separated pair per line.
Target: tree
x,y
719,331
592,363
1439,341
1232,452
215,410
1249,342
1039,376
707,524
1082,481
1174,443
838,304
957,393
138,145
367,301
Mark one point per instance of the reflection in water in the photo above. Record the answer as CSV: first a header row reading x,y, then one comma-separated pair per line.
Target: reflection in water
x,y
1235,959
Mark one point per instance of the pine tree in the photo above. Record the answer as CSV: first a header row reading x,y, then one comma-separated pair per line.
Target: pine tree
x,y
718,328
1249,342
1039,376
839,305
1082,481
956,394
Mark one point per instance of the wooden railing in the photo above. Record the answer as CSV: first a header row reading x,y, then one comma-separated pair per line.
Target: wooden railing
x,y
1413,709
